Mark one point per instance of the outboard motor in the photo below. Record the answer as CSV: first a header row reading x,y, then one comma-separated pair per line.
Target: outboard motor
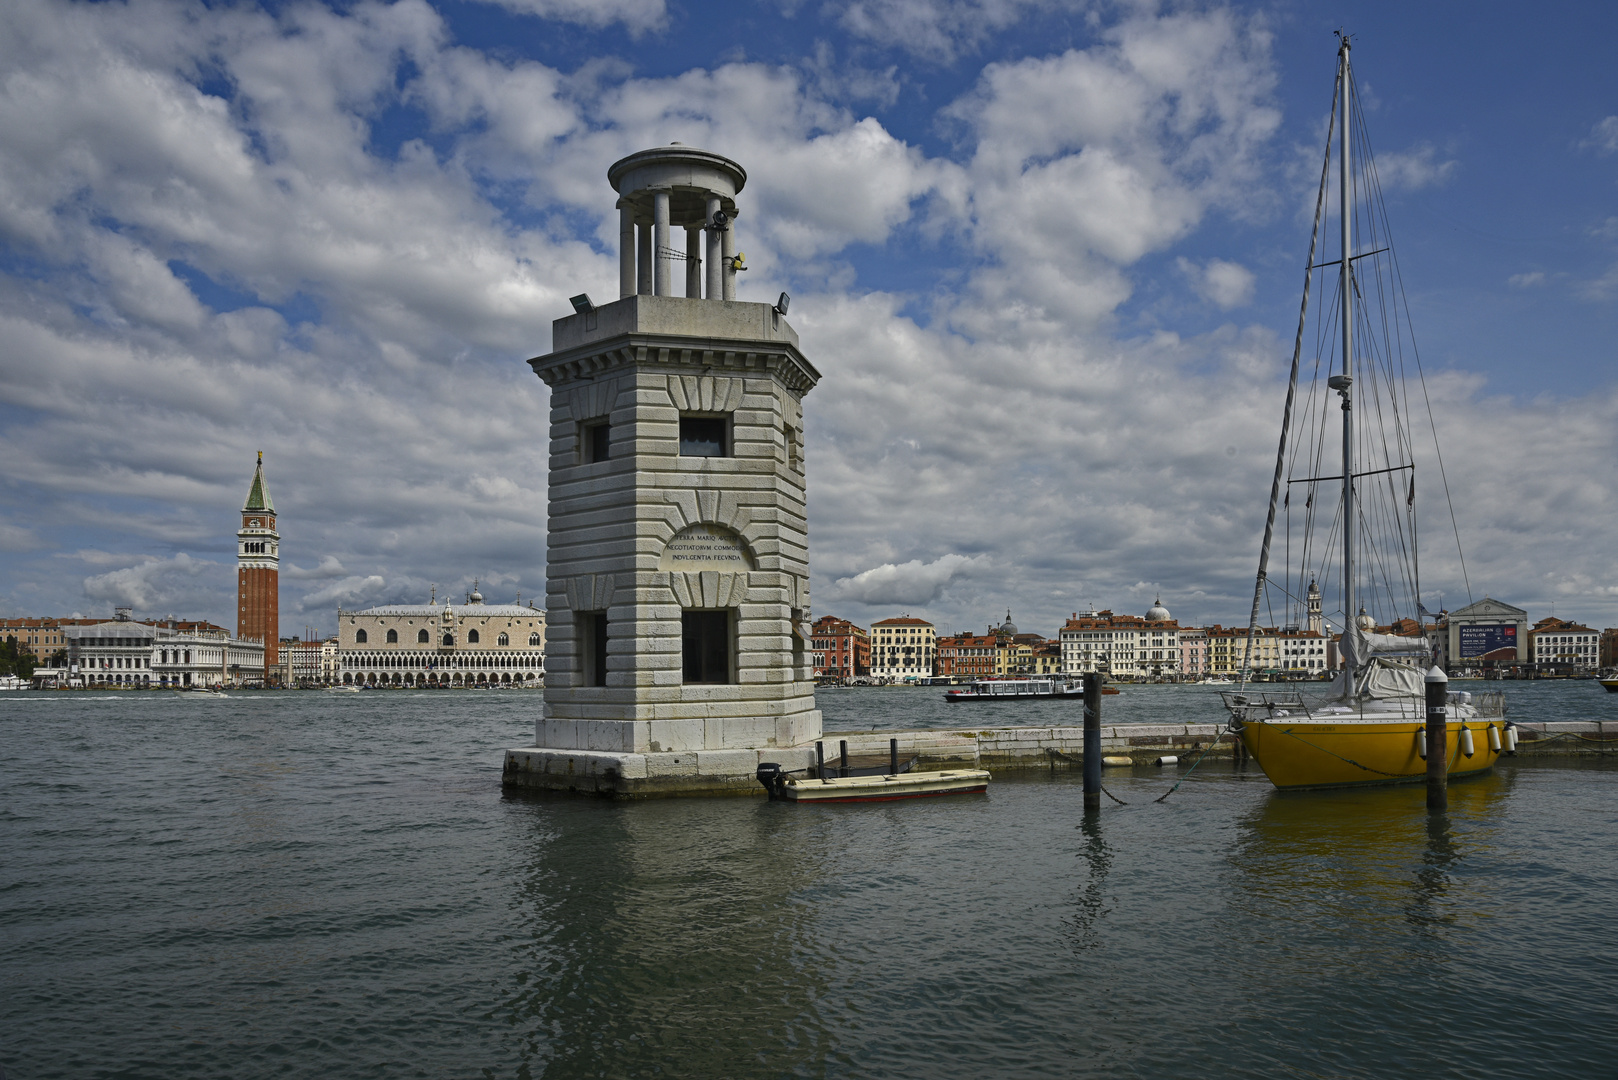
x,y
774,780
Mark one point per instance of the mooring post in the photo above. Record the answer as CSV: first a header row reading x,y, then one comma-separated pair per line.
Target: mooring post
x,y
1092,741
1437,739
820,760
893,757
842,753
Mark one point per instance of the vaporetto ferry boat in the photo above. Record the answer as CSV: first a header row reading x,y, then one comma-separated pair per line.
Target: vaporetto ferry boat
x,y
1015,690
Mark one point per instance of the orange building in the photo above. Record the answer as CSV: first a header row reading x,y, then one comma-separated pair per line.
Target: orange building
x,y
966,656
258,572
842,650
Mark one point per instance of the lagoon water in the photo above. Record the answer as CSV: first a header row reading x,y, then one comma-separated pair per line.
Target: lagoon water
x,y
298,883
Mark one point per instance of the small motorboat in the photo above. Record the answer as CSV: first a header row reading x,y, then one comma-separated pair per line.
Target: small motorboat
x,y
839,789
349,689
1610,685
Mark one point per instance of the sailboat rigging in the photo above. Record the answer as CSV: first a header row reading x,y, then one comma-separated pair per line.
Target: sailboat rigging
x,y
1367,728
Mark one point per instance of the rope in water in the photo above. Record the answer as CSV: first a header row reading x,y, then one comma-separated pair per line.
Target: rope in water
x,y
1194,764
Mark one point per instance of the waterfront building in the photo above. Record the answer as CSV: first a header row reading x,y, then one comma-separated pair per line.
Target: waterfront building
x,y
1193,653
41,637
1122,646
1564,646
258,571
125,652
842,650
677,562
965,656
442,645
301,662
1489,633
903,648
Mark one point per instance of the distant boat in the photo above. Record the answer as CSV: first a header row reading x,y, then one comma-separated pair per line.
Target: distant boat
x,y
13,682
210,691
1017,690
342,689
1370,727
1610,685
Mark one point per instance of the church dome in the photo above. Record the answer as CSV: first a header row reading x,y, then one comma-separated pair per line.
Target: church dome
x,y
1008,627
475,597
1365,622
1157,612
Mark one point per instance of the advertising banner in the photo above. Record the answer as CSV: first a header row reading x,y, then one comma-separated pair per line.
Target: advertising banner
x,y
1481,638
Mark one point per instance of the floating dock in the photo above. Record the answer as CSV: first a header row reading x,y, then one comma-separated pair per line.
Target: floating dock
x,y
1000,750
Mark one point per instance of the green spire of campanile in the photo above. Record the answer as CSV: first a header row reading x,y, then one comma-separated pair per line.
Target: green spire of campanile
x,y
258,496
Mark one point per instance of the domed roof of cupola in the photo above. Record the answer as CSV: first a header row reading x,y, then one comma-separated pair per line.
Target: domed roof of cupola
x,y
1365,622
1157,612
474,597
1008,627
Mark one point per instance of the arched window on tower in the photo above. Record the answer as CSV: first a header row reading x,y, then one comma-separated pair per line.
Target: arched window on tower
x,y
393,637
360,638
449,639
533,640
471,637
422,638
505,640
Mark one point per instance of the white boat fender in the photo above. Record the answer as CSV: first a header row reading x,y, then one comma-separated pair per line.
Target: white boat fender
x,y
1168,759
1421,743
1511,739
1121,761
1466,741
1494,738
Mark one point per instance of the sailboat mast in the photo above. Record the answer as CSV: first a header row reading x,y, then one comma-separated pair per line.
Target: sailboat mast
x,y
1346,213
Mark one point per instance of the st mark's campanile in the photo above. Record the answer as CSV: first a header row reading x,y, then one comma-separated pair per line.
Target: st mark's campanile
x,y
258,571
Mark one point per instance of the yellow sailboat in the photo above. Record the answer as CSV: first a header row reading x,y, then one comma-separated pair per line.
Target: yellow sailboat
x,y
1369,727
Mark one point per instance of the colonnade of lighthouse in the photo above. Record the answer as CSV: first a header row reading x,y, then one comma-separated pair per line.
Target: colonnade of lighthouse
x,y
670,188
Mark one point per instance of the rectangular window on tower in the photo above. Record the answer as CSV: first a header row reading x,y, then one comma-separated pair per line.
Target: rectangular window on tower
x,y
704,436
705,646
591,642
595,441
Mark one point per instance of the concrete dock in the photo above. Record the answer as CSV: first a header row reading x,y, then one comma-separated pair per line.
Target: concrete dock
x,y
1000,750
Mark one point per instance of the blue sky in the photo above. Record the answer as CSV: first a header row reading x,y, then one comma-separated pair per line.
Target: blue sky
x,y
1046,255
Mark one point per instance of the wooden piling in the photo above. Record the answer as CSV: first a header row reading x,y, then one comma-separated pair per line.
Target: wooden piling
x,y
1437,739
1092,741
893,757
842,765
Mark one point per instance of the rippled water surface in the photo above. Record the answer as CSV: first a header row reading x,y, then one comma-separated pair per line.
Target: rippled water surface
x,y
300,883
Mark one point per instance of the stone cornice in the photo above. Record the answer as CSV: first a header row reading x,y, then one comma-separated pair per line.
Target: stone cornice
x,y
718,356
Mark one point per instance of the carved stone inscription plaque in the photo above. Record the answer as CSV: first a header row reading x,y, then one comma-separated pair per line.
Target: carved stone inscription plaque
x,y
706,547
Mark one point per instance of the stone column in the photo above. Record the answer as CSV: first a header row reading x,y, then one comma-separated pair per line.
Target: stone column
x,y
626,249
662,275
727,241
716,266
643,267
693,261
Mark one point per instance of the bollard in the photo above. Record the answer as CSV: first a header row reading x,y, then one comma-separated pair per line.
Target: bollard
x,y
842,749
1437,740
820,761
1092,741
893,757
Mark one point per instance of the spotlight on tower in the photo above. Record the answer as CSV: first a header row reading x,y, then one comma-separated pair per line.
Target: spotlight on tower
x,y
782,304
581,303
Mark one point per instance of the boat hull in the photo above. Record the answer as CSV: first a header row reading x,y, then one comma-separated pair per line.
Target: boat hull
x,y
1304,753
1610,685
843,789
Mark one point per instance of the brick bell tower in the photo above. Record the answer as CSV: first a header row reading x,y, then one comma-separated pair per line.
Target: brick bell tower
x,y
258,572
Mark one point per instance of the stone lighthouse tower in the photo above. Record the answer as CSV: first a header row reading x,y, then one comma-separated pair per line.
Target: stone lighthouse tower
x,y
677,583
258,571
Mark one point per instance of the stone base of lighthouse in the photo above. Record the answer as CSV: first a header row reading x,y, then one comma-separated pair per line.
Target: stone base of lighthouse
x,y
621,775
